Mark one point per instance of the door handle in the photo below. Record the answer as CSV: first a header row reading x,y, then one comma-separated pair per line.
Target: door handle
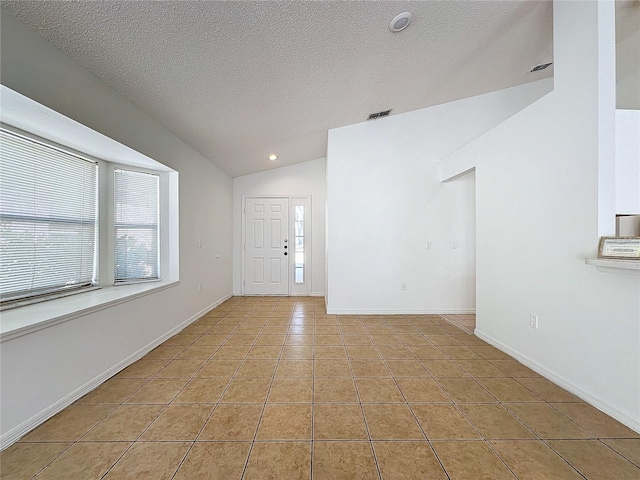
x,y
285,253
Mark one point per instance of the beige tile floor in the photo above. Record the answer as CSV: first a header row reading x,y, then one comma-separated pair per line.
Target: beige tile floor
x,y
273,388
464,322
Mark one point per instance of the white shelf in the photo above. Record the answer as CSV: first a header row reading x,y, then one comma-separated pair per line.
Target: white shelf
x,y
615,265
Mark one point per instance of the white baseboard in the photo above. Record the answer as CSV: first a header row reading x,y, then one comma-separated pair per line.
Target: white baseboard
x,y
622,416
435,311
312,294
9,438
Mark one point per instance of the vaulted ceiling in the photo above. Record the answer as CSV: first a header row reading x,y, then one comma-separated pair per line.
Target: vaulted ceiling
x,y
240,80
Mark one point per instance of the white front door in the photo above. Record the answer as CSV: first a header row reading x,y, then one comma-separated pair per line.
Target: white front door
x,y
266,246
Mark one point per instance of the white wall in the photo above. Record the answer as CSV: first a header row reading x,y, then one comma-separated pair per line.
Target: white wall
x,y
628,161
538,207
385,202
306,178
42,371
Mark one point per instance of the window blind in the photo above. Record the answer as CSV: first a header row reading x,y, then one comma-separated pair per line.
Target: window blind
x,y
136,198
48,219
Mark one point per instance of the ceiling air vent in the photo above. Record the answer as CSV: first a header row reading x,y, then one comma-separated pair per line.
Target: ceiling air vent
x,y
542,66
384,113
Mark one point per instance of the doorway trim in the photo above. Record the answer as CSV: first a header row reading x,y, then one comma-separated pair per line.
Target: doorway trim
x,y
294,289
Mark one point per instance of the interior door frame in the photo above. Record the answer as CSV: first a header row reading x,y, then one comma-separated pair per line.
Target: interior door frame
x,y
290,236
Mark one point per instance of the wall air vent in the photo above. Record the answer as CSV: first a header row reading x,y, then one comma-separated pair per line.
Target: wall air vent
x,y
384,113
542,66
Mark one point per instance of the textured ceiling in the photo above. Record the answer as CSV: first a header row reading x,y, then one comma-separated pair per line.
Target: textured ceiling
x,y
240,80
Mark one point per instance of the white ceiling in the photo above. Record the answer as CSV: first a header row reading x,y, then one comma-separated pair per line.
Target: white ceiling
x,y
239,80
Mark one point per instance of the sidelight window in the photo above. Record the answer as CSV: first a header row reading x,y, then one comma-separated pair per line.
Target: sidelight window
x,y
298,228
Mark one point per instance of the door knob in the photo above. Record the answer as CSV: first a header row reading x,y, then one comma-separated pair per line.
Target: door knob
x,y
285,246
285,253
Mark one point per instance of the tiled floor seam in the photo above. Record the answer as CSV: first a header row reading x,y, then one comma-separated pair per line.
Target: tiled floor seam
x,y
289,309
433,450
536,436
546,442
457,323
166,407
484,439
264,405
364,417
637,464
221,394
313,402
52,460
415,358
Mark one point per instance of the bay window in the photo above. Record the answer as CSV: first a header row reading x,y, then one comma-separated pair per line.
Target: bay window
x,y
50,224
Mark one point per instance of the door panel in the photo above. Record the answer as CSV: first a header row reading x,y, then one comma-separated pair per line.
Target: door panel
x,y
258,271
276,233
276,271
266,248
258,233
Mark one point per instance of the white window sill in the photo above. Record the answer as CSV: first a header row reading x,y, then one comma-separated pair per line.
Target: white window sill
x,y
614,265
30,318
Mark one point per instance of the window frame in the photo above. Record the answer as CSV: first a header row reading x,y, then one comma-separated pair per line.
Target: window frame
x,y
106,222
38,313
303,288
113,228
168,234
168,196
51,292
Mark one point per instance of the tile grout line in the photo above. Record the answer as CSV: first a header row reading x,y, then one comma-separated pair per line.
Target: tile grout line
x,y
502,404
564,459
239,322
167,405
266,398
313,394
484,439
455,404
433,450
52,460
223,391
170,402
78,440
355,386
637,464
455,323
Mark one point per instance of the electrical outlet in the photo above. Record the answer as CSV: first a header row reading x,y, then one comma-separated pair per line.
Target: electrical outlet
x,y
404,286
454,245
533,321
428,245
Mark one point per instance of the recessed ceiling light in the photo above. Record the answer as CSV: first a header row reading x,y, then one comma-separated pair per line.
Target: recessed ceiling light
x,y
400,22
273,157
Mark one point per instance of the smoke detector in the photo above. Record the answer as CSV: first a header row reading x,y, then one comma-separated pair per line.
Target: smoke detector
x,y
400,22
